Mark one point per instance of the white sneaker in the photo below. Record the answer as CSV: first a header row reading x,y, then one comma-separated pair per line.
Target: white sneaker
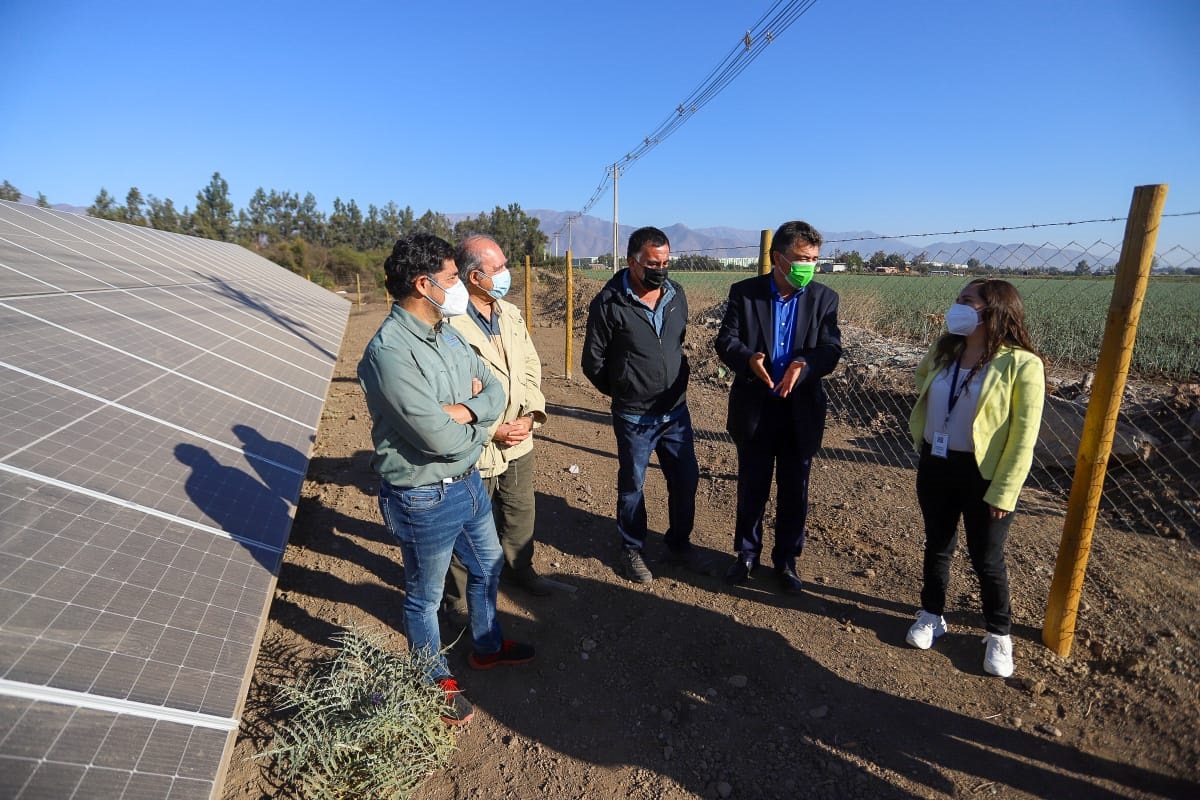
x,y
997,658
927,628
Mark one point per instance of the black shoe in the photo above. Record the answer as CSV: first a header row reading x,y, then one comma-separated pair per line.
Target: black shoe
x,y
534,584
633,566
688,557
509,653
742,568
789,583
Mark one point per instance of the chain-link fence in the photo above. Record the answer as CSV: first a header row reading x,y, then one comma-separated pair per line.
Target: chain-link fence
x,y
891,311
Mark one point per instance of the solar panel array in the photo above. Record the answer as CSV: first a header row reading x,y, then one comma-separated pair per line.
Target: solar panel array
x,y
159,395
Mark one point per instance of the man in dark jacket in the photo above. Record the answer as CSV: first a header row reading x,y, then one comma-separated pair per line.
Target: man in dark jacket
x,y
633,353
780,337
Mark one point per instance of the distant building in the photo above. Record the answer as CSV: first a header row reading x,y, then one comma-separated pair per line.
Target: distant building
x,y
829,266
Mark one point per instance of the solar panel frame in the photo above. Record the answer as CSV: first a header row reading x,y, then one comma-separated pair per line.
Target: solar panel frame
x,y
161,395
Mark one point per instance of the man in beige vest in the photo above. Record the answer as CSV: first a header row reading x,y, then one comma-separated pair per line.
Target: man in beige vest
x,y
497,332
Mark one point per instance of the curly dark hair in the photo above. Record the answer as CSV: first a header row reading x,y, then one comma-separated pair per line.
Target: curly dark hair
x,y
645,236
1002,318
413,256
789,232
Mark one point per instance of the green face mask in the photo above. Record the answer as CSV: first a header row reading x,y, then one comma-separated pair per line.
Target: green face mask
x,y
801,272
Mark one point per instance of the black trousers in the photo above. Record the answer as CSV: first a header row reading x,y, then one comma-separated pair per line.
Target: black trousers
x,y
949,489
771,452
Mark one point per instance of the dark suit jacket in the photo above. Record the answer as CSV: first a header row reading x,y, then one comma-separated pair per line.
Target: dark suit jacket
x,y
744,332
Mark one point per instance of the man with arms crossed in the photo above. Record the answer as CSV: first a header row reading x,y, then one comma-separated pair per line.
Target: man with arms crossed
x,y
432,401
495,330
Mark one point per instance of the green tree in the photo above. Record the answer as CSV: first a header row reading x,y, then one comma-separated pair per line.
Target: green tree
x,y
853,260
133,208
1082,268
972,264
42,202
162,216
310,222
895,261
434,222
10,192
104,206
875,262
255,223
213,217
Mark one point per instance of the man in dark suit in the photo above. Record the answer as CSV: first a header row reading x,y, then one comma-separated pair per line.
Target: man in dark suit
x,y
780,337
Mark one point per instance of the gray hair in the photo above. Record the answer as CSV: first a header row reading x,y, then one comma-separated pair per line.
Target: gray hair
x,y
466,255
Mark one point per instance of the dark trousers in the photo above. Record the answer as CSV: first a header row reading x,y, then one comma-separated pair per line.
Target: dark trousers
x,y
772,451
676,449
947,489
512,507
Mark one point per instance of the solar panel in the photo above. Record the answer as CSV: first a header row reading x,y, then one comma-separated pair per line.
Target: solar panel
x,y
160,395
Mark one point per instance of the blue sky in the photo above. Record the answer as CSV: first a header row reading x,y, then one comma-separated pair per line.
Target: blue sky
x,y
875,115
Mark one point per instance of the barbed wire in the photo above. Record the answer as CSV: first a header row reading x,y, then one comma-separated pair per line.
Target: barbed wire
x,y
1030,226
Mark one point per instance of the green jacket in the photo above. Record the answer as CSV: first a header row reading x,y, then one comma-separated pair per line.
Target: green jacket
x,y
408,372
1007,419
520,375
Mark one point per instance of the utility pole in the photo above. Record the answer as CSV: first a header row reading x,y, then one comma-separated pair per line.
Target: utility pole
x,y
556,246
570,230
616,171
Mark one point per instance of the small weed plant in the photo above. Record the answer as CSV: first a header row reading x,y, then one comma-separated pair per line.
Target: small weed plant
x,y
366,724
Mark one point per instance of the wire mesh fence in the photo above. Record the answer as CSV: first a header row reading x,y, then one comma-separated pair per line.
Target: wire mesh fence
x,y
891,311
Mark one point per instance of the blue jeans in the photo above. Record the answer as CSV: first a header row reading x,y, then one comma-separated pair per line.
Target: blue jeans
x,y
676,450
431,523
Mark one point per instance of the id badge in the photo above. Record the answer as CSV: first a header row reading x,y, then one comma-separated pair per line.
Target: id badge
x,y
941,445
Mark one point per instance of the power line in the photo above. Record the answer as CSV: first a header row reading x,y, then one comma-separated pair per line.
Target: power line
x,y
767,29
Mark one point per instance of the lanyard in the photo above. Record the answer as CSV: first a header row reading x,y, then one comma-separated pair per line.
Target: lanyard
x,y
956,390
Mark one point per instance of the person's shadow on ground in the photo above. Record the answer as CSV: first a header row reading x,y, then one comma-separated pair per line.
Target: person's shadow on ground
x,y
627,675
630,676
698,696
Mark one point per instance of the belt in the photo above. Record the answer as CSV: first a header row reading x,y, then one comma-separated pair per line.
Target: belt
x,y
458,478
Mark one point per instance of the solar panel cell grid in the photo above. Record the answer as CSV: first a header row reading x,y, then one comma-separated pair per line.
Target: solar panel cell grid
x,y
156,437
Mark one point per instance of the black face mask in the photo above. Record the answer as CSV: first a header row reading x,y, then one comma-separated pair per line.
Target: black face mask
x,y
654,278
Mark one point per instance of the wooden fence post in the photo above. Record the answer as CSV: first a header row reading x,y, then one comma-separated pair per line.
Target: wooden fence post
x,y
1100,422
570,284
528,297
764,252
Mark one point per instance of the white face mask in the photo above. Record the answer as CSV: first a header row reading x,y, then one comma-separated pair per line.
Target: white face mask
x,y
962,319
455,300
501,283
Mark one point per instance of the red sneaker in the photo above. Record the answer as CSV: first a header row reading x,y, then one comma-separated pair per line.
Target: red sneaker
x,y
458,709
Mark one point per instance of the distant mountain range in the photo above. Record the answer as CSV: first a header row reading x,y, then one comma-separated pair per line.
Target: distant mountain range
x,y
592,236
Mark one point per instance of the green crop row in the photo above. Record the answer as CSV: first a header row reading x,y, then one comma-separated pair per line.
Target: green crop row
x,y
1065,316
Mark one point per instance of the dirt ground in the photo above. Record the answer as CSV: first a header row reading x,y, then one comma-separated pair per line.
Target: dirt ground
x,y
686,687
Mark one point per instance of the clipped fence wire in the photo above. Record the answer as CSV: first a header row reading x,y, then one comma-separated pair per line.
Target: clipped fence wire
x,y
889,319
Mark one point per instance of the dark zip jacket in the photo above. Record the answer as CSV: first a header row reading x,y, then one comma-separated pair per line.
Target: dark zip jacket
x,y
623,357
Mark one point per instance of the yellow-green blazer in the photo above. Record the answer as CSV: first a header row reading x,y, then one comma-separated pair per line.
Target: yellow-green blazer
x,y
1007,419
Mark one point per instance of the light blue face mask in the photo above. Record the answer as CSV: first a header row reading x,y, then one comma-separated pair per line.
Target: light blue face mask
x,y
501,283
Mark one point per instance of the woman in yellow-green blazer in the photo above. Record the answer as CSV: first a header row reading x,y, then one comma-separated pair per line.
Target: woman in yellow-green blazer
x,y
975,423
